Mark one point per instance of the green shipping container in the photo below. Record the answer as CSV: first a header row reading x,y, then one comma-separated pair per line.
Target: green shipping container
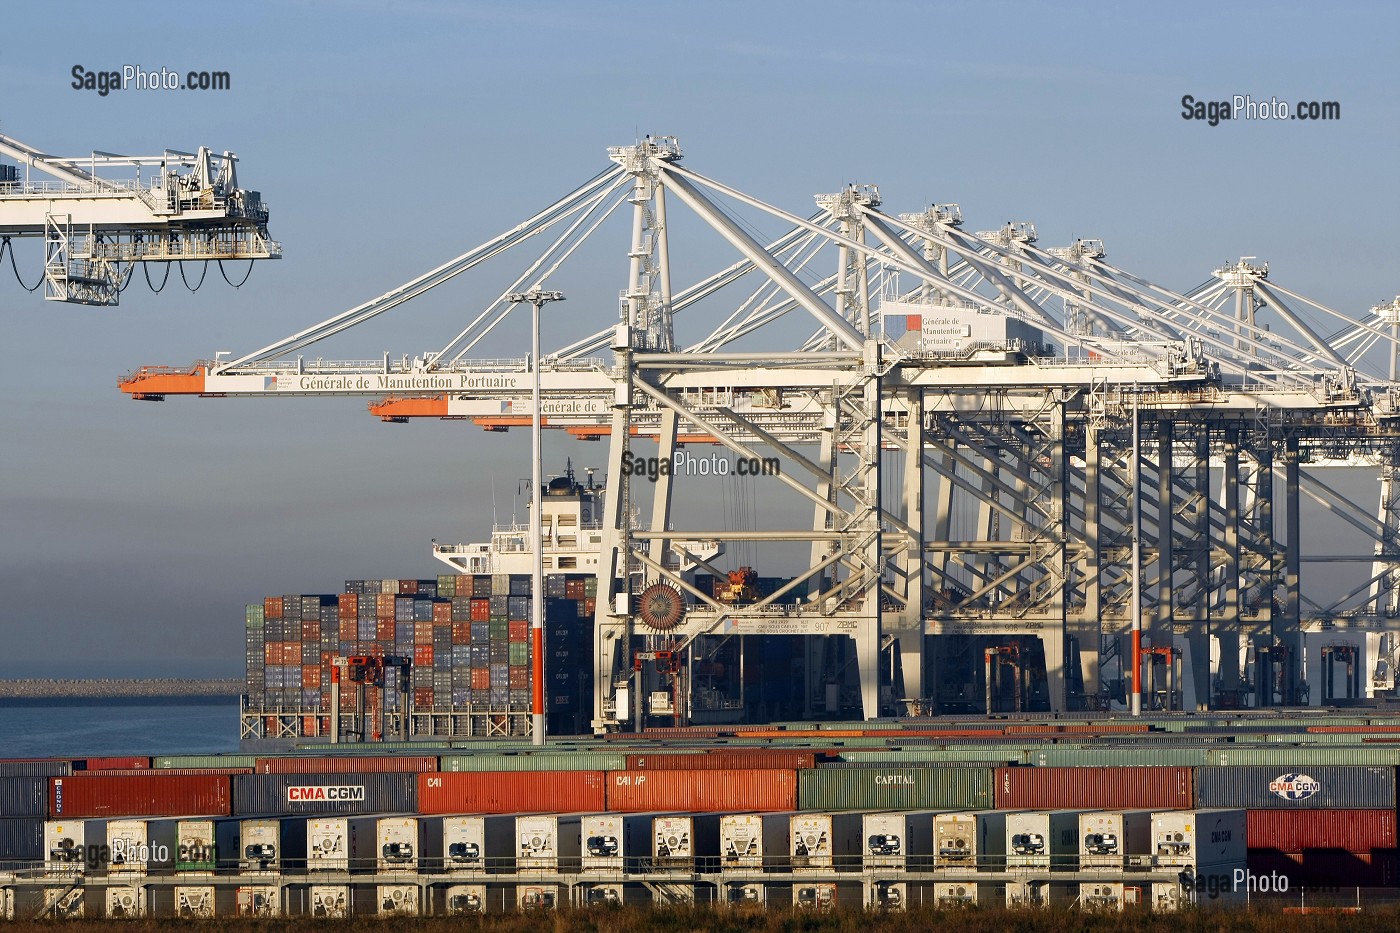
x,y
519,653
205,761
1295,758
894,787
545,761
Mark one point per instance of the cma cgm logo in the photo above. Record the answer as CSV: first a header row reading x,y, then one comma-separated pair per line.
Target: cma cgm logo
x,y
1295,786
318,793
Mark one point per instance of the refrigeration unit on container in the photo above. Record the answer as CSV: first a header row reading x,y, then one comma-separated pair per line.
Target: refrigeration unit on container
x,y
892,895
66,903
72,847
1046,840
754,841
1114,839
616,841
258,900
899,840
194,903
328,843
601,895
476,844
825,841
267,846
744,894
201,844
825,895
1108,895
329,901
686,842
385,843
140,847
954,894
975,840
125,902
465,899
548,842
1040,893
396,900
537,896
1199,838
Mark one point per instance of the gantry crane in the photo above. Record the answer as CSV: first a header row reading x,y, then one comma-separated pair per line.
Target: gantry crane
x,y
966,424
96,229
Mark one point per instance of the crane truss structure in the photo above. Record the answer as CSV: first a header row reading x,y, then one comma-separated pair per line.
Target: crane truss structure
x,y
95,229
1109,448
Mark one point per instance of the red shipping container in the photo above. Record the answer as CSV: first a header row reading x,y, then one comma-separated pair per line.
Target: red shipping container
x,y
175,772
702,791
512,792
1298,830
442,611
519,678
291,653
384,630
349,606
272,654
152,794
348,630
423,655
117,763
481,678
1328,867
590,606
423,697
311,630
519,631
326,663
347,702
347,764
408,587
384,605
310,678
734,759
481,610
1095,788
272,607
574,589
422,633
461,633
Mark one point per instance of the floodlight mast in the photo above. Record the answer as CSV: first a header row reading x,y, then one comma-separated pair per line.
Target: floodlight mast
x,y
537,299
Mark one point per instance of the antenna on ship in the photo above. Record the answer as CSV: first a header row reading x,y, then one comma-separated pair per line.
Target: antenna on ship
x,y
590,471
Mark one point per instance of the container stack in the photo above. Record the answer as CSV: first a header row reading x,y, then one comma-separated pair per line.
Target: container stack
x,y
468,638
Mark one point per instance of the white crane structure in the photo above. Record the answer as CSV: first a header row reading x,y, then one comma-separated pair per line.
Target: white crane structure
x,y
1006,450
95,228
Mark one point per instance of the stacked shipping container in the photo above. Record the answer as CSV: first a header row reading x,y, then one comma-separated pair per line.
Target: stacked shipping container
x,y
468,637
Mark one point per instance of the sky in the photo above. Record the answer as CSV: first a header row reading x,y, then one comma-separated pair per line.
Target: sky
x,y
387,138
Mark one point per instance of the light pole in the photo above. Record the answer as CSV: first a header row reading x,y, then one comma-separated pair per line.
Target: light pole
x,y
537,299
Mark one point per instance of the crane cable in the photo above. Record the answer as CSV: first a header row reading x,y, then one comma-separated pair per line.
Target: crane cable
x,y
146,268
242,281
201,276
5,244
